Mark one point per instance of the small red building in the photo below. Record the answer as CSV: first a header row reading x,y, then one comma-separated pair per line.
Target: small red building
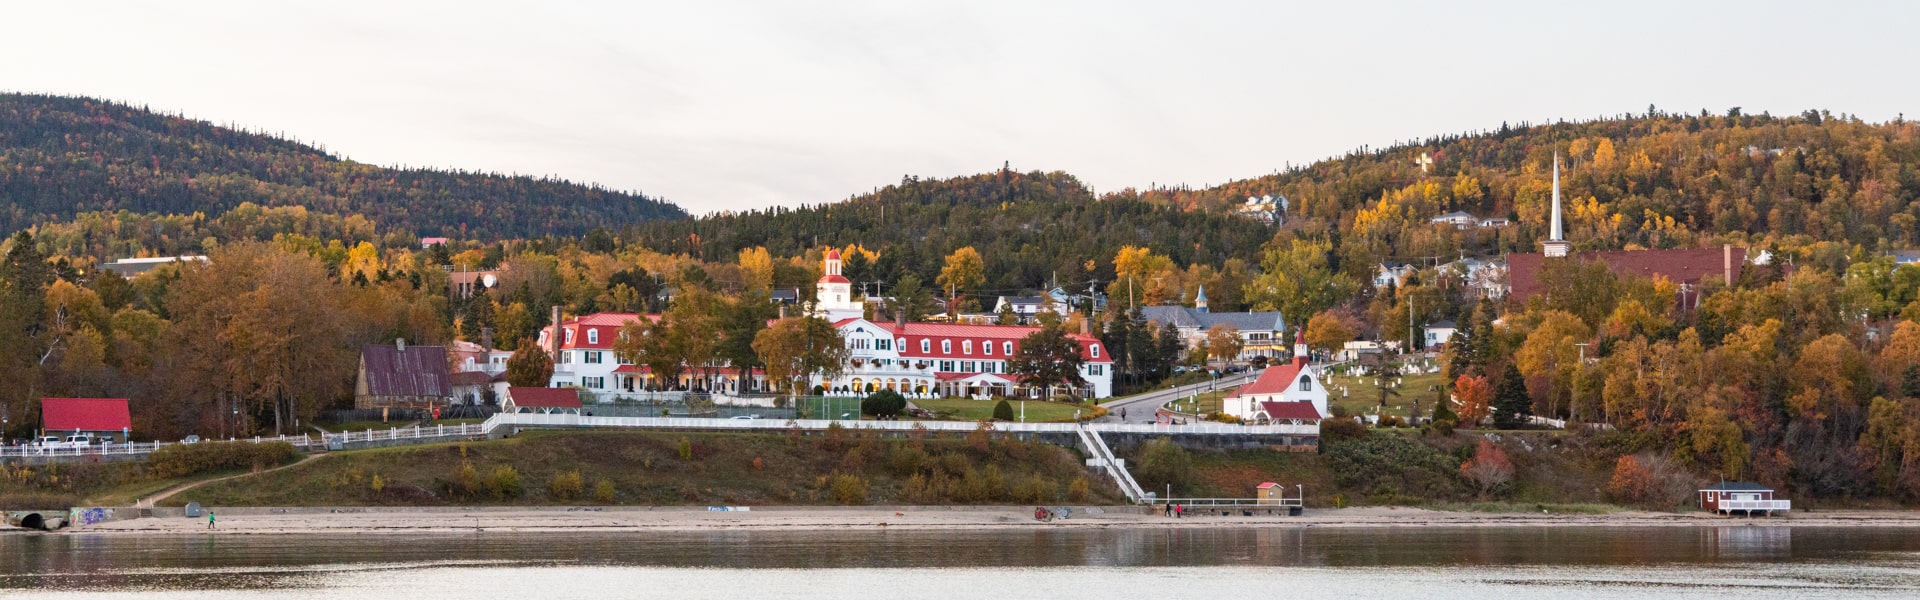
x,y
1727,497
100,417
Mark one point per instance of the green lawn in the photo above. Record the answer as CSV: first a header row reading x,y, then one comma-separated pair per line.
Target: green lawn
x,y
1359,394
961,409
1205,403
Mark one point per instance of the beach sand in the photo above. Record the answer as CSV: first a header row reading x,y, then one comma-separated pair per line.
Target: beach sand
x,y
265,521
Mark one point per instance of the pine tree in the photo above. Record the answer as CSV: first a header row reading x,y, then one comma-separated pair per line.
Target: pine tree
x,y
1511,405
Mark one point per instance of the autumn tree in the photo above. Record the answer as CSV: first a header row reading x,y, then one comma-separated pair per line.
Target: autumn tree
x,y
963,270
644,341
797,348
1223,342
1048,357
1489,468
529,366
1328,332
1475,394
758,265
1549,358
1297,279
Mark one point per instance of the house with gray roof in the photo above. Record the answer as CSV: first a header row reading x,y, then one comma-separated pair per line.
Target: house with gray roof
x,y
1261,333
402,376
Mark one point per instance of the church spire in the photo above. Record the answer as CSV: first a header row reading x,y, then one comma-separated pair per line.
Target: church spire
x,y
1556,245
1200,299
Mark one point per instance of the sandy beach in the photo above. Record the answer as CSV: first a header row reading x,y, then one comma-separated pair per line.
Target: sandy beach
x,y
266,521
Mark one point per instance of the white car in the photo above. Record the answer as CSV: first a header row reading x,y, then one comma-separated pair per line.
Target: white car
x,y
79,441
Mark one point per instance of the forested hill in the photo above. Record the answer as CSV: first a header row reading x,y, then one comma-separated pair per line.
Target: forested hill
x,y
1028,227
62,155
1655,180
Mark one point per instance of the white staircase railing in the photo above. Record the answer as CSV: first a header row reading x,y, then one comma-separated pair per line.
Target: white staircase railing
x,y
1104,456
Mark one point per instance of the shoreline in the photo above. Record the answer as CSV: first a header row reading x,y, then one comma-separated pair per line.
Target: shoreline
x,y
470,520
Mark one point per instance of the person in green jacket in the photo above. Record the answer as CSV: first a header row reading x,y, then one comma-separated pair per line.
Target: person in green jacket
x,y
209,519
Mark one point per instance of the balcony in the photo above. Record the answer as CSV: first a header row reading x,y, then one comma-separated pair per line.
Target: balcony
x,y
1753,505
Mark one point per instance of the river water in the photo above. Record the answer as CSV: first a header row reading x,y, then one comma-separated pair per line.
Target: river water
x,y
1061,564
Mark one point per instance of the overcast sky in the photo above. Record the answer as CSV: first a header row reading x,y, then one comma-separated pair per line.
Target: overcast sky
x,y
728,105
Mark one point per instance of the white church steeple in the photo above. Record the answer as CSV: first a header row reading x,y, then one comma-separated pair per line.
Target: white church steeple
x,y
1556,245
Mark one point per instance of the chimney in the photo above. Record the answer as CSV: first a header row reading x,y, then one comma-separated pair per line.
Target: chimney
x,y
400,343
1726,262
555,338
900,317
783,310
486,338
1086,325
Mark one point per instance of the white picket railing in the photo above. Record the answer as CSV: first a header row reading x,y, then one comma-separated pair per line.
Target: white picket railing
x,y
133,448
1755,505
567,420
409,433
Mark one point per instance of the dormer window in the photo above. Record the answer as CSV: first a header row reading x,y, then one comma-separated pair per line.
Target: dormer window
x,y
593,336
946,346
986,348
569,336
1095,348
966,347
1007,346
926,345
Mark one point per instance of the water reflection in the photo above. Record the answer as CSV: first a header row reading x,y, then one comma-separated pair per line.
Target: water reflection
x,y
1529,556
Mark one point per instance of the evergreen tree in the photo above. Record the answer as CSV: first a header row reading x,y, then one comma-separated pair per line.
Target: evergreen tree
x,y
909,296
1511,405
1168,351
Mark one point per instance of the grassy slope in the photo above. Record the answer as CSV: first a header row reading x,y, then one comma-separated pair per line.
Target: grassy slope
x,y
647,468
1404,467
976,410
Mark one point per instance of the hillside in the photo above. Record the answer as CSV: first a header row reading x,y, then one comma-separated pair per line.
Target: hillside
x,y
1656,180
1027,226
60,156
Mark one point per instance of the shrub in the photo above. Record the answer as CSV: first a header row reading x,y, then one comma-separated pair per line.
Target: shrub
x,y
1163,462
884,404
377,484
758,464
1002,411
685,448
1340,428
1489,468
1400,462
847,489
180,460
504,482
1650,481
464,480
1079,489
906,460
566,485
1632,483
603,492
1036,490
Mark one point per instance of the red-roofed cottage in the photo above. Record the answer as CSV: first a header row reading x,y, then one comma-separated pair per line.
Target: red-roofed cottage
x,y
1289,392
541,400
97,416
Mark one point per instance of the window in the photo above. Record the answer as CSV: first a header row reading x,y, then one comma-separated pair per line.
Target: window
x,y
1008,346
946,365
1094,370
858,343
882,344
1096,350
903,344
594,382
966,347
593,335
967,366
1306,383
569,336
594,357
946,346
986,348
926,345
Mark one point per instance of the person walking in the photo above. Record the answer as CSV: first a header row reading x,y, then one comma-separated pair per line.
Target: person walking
x,y
1168,507
209,519
1177,510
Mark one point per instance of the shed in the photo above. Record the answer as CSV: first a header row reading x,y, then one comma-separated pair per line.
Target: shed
x,y
401,376
1727,497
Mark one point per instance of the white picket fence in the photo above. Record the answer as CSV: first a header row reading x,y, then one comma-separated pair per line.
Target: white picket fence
x,y
564,420
137,448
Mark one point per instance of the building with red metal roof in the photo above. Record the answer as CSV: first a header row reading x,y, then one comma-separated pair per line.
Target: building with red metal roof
x,y
951,359
541,400
98,416
1295,386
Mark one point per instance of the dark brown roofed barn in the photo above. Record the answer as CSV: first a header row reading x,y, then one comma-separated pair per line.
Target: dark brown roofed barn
x,y
402,376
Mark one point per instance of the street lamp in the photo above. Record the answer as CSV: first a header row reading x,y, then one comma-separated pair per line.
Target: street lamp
x,y
236,422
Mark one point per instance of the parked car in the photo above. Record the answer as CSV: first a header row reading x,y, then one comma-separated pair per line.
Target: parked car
x,y
192,439
48,441
79,441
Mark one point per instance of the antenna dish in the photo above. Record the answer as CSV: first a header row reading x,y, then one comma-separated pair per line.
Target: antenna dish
x,y
489,280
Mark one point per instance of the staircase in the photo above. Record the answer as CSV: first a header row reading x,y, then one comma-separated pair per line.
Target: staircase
x,y
1097,448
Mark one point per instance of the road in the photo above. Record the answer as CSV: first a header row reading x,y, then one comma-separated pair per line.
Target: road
x,y
1140,407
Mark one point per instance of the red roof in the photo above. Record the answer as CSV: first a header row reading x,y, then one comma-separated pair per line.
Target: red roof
x,y
834,279
1290,410
1267,485
470,378
1680,266
85,414
980,335
833,254
946,376
605,327
539,397
1276,379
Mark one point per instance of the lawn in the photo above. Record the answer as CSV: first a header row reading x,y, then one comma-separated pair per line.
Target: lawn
x,y
1203,404
962,409
1360,395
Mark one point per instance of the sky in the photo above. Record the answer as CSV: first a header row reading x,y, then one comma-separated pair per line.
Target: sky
x,y
732,105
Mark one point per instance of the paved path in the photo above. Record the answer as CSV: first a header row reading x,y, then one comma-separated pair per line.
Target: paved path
x,y
1140,407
